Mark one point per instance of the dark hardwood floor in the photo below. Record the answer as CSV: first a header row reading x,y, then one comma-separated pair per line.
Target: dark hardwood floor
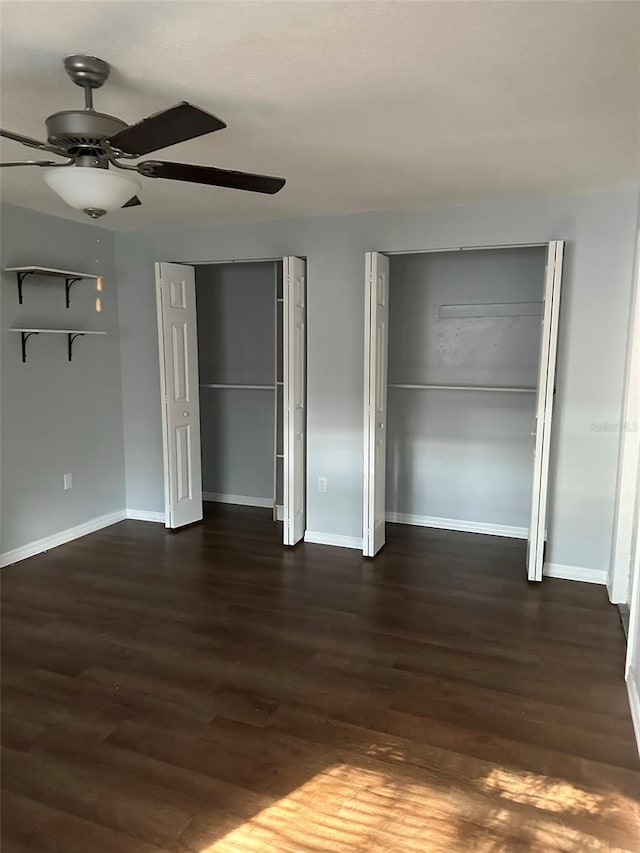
x,y
210,691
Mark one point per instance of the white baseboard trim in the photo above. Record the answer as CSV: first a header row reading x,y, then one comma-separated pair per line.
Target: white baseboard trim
x,y
575,573
634,702
455,524
145,515
239,500
333,539
41,545
279,512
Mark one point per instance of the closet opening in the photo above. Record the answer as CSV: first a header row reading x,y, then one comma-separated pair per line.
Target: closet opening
x,y
233,364
459,381
240,387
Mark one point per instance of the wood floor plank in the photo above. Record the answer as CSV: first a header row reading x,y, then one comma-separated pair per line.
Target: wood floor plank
x,y
115,802
208,691
30,825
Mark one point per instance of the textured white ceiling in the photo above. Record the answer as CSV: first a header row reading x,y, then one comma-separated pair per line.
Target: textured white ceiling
x,y
361,106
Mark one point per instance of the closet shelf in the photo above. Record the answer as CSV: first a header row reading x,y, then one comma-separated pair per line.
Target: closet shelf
x,y
69,276
71,334
500,388
239,387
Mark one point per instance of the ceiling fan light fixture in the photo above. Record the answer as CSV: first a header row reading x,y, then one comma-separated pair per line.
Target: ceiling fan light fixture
x,y
93,191
93,141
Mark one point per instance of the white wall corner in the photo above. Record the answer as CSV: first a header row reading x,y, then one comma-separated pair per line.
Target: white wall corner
x,y
145,515
318,538
634,702
49,542
575,573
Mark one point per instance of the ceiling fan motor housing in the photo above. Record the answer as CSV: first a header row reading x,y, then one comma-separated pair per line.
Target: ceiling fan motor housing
x,y
80,131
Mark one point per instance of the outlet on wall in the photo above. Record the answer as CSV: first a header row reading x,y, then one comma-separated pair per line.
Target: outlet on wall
x,y
67,482
322,484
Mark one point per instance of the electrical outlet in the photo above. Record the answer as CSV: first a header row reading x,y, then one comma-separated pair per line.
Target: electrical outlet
x,y
322,484
67,482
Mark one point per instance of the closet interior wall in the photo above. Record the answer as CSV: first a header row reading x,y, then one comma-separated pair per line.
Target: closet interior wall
x,y
279,398
238,331
459,456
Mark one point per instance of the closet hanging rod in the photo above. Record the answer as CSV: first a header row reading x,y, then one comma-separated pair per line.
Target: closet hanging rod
x,y
501,388
239,387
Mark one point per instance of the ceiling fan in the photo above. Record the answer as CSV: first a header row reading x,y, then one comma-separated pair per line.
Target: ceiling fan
x,y
92,142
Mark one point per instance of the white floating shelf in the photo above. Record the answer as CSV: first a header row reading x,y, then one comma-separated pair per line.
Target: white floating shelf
x,y
51,271
500,388
240,387
70,277
71,334
58,331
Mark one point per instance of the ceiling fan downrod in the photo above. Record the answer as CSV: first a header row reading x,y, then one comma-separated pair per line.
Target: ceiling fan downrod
x,y
89,72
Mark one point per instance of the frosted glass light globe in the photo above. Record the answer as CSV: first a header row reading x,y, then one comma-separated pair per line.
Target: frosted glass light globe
x,y
92,190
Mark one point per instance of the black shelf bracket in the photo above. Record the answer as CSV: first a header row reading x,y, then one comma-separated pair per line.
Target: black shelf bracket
x,y
25,337
70,339
68,284
69,281
21,278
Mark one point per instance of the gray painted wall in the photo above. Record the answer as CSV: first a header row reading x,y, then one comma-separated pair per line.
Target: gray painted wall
x,y
58,417
236,340
600,230
458,454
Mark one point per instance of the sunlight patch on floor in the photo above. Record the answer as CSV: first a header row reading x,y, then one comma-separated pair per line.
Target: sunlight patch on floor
x,y
346,808
554,795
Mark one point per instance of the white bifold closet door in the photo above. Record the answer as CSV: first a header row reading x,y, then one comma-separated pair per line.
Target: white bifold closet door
x,y
376,338
177,331
178,345
294,396
544,410
375,405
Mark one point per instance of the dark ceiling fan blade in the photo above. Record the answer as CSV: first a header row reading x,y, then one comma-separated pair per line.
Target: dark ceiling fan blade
x,y
134,201
33,163
211,176
31,143
177,124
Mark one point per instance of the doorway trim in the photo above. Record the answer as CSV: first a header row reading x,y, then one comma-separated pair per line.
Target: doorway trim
x,y
628,478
